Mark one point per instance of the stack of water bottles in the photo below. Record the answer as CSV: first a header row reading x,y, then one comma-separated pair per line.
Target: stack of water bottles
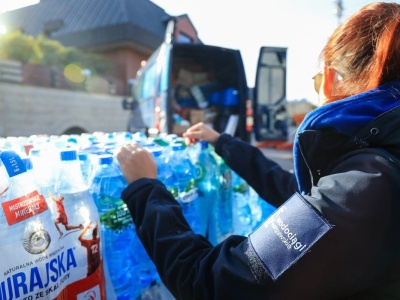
x,y
106,184
44,220
215,201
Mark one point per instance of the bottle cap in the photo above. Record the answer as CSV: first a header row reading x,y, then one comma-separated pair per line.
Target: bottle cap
x,y
68,155
203,144
83,156
177,146
35,152
105,159
157,151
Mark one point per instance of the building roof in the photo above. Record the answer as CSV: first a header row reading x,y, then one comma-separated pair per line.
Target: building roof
x,y
92,23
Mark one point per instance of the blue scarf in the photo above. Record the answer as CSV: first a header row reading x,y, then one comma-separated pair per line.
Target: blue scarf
x,y
346,116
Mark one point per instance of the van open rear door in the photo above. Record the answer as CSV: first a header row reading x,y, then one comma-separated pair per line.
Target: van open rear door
x,y
269,96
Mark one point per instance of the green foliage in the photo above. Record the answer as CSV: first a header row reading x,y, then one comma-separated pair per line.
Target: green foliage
x,y
44,51
16,46
51,51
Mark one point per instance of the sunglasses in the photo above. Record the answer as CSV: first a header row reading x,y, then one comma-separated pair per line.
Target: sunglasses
x,y
318,81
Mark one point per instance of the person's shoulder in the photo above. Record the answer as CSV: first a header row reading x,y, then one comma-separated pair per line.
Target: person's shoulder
x,y
371,158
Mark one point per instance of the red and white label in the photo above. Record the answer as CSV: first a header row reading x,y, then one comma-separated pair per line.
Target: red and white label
x,y
24,207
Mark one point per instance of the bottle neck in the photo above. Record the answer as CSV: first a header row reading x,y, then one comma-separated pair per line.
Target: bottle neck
x,y
70,178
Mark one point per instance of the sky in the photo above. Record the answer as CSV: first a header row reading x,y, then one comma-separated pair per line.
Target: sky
x,y
302,26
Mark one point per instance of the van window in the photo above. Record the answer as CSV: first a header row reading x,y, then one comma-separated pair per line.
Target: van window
x,y
273,92
163,66
150,88
146,83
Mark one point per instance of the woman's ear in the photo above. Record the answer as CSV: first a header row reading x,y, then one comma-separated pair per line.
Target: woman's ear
x,y
329,79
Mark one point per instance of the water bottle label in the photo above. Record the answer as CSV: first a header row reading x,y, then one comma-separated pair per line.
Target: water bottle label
x,y
174,191
117,218
189,196
13,163
242,188
54,254
24,207
200,171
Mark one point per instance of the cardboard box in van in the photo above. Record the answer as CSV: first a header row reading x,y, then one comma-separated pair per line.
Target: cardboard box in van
x,y
188,81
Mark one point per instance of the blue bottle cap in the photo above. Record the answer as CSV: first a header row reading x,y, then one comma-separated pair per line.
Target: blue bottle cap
x,y
72,140
83,156
157,151
105,159
35,152
203,144
68,155
177,146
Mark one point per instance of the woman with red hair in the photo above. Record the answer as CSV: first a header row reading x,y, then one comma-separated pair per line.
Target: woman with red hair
x,y
336,231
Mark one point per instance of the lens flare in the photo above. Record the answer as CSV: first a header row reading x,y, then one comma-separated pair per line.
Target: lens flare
x,y
74,73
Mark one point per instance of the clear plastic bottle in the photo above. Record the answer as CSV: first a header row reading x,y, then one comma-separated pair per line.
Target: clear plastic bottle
x,y
78,220
185,174
165,172
27,232
260,209
86,165
256,210
43,168
27,163
207,176
20,197
117,227
223,211
241,216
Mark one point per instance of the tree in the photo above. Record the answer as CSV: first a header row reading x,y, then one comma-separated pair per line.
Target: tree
x,y
42,50
17,46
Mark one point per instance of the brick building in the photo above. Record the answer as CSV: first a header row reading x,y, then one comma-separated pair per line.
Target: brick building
x,y
125,31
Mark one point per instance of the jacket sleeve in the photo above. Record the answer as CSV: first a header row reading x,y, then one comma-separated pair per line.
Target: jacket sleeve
x,y
356,254
187,263
267,178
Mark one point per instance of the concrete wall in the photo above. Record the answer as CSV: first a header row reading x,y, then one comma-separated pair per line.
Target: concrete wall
x,y
27,110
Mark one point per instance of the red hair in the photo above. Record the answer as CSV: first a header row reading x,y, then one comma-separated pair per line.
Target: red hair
x,y
365,50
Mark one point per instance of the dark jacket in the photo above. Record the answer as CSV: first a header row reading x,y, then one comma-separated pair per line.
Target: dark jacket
x,y
339,238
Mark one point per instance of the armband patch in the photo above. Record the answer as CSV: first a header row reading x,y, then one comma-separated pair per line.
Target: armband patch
x,y
287,235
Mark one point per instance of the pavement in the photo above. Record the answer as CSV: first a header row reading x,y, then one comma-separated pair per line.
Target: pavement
x,y
279,151
283,157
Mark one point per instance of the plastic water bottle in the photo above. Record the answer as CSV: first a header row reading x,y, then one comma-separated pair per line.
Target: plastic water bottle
x,y
260,209
223,210
165,173
207,176
86,165
43,168
22,203
26,228
185,174
146,270
117,227
78,220
27,163
241,216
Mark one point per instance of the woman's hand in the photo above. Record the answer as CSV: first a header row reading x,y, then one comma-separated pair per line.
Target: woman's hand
x,y
136,162
200,131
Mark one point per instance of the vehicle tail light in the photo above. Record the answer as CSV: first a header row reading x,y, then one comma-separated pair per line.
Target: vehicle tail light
x,y
249,115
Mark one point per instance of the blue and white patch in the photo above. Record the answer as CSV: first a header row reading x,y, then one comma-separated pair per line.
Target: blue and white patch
x,y
287,235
